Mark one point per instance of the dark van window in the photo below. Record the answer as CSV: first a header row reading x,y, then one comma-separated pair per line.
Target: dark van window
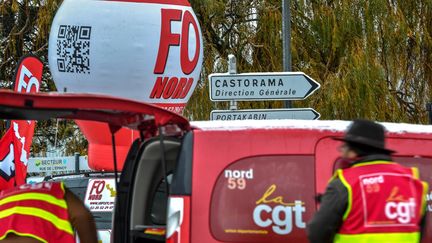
x,y
160,203
264,199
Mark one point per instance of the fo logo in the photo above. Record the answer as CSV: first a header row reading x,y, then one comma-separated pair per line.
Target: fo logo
x,y
176,87
27,81
168,38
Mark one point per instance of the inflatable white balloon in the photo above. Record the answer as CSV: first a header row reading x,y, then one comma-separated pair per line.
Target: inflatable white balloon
x,y
146,50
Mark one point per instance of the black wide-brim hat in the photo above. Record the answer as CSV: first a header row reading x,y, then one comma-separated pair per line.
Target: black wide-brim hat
x,y
367,133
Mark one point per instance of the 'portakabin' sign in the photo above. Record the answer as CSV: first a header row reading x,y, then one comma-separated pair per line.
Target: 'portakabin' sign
x,y
265,114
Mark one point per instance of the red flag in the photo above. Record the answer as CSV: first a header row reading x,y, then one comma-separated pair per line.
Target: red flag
x,y
8,153
15,145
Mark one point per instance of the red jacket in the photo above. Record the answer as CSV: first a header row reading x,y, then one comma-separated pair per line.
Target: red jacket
x,y
327,221
36,210
383,197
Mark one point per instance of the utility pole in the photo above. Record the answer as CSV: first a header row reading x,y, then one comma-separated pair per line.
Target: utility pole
x,y
429,110
77,162
286,40
232,69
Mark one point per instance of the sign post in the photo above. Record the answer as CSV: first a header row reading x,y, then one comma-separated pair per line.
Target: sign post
x,y
286,40
232,69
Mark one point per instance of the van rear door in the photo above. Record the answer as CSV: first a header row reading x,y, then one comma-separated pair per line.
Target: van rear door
x,y
115,112
141,207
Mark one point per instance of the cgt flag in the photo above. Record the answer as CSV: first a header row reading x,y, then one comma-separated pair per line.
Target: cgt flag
x,y
15,145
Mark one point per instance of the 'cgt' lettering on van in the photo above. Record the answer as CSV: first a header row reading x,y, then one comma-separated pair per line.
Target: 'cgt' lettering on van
x,y
281,216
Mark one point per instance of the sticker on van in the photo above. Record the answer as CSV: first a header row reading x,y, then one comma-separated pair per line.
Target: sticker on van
x,y
100,195
283,215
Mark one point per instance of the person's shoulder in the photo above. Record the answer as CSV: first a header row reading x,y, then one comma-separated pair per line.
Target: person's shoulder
x,y
336,185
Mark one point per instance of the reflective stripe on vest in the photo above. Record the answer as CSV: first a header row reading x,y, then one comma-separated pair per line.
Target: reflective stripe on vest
x,y
38,211
370,191
30,195
379,237
60,224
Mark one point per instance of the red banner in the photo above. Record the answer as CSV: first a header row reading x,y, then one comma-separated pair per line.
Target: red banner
x,y
7,161
15,145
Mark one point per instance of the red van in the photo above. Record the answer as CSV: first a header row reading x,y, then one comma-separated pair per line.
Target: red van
x,y
204,182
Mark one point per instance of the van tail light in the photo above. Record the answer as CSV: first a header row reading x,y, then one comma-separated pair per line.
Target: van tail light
x,y
178,222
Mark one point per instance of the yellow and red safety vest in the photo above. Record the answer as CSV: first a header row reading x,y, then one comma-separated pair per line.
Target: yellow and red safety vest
x,y
386,202
36,210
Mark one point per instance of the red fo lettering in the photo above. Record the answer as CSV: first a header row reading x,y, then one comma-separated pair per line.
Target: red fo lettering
x,y
168,39
171,88
98,186
27,85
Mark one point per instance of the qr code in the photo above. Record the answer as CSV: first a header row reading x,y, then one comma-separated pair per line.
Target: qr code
x,y
73,49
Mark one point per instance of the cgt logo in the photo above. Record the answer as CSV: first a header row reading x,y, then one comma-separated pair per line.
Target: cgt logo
x,y
37,186
281,217
399,208
403,212
176,87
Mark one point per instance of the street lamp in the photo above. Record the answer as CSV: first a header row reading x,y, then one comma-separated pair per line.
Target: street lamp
x,y
286,40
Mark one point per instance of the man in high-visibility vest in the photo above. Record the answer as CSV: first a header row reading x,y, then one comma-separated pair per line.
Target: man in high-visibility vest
x,y
44,212
375,199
